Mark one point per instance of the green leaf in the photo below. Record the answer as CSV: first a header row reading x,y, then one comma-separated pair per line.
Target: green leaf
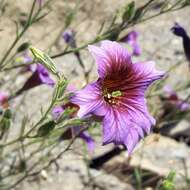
x,y
168,183
22,166
69,19
5,124
7,114
23,47
46,128
129,11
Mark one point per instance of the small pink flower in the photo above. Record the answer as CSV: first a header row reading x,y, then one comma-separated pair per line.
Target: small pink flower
x,y
4,100
118,95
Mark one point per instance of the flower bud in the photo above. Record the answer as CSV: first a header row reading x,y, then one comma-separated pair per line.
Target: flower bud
x,y
45,60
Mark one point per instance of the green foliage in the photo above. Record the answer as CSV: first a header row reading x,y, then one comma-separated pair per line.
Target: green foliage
x,y
168,183
128,12
23,47
5,122
61,87
46,128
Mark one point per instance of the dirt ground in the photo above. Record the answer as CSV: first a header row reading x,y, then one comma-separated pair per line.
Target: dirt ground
x,y
158,44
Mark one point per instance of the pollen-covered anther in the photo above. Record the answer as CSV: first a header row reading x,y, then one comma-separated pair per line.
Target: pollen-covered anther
x,y
112,98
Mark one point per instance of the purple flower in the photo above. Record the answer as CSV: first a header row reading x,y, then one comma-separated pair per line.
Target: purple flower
x,y
174,100
180,31
4,99
68,36
40,75
118,95
57,112
131,39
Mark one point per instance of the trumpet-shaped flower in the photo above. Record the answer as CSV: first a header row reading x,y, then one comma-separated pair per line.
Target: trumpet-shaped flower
x,y
40,75
118,95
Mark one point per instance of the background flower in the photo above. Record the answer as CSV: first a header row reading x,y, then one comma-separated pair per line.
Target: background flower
x,y
75,130
181,32
132,39
173,99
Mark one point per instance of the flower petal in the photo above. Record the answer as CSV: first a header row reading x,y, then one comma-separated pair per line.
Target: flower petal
x,y
44,75
57,111
88,99
146,71
136,110
111,57
139,78
125,127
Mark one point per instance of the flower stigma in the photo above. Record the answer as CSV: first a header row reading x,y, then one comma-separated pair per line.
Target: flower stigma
x,y
112,97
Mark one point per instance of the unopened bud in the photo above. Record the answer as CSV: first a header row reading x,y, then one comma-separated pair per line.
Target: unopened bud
x,y
45,60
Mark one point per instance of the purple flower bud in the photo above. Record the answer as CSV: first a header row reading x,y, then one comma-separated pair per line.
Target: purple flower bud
x,y
181,32
178,30
68,36
131,39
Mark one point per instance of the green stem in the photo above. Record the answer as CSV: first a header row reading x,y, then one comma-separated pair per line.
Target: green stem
x,y
171,9
19,36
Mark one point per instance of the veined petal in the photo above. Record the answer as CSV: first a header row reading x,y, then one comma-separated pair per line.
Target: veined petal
x,y
146,72
138,79
111,57
132,139
44,75
126,127
137,111
101,59
88,99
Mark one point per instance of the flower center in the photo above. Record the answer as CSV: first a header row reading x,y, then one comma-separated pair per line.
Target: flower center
x,y
112,97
